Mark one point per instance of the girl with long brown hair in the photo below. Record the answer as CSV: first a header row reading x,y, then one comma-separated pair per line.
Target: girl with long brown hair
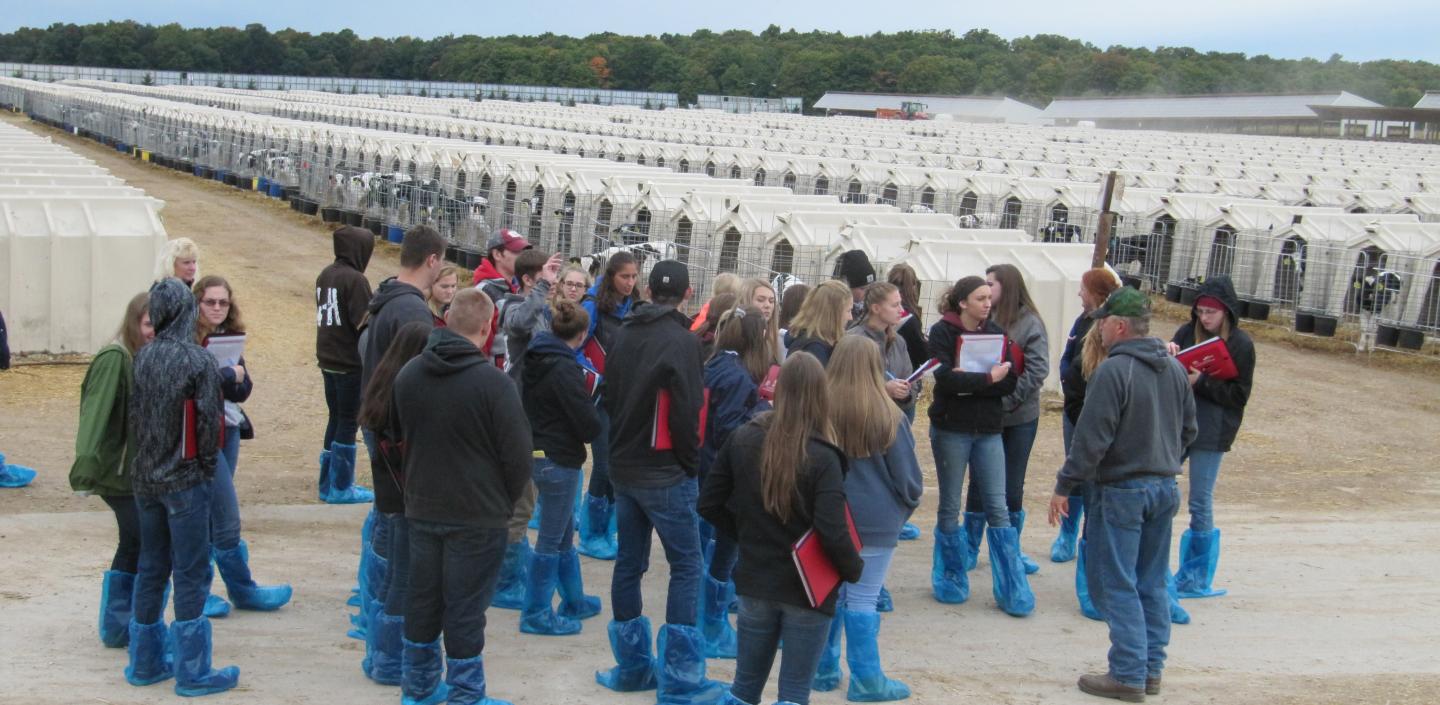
x,y
821,321
911,328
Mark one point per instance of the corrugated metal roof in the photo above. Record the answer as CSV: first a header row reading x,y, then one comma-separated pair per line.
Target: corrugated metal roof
x,y
1431,100
988,108
1192,107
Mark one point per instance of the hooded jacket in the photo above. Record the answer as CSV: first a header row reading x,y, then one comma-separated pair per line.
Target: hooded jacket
x,y
467,443
522,320
604,326
557,401
104,449
1072,363
884,489
914,334
169,371
342,294
394,305
1139,417
965,402
659,352
1023,405
503,293
895,356
1220,405
734,399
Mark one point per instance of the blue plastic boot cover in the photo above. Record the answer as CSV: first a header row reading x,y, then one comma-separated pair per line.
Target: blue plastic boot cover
x,y
827,674
387,649
539,615
1082,586
574,603
322,487
1178,615
343,489
234,567
215,606
680,672
974,534
884,602
948,580
635,663
1017,520
1009,584
193,674
868,683
116,595
420,684
150,657
720,638
375,568
466,678
534,524
1199,557
510,591
1063,548
909,532
12,476
596,539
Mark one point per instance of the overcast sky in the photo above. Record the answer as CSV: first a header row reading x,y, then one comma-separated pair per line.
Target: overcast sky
x,y
1394,29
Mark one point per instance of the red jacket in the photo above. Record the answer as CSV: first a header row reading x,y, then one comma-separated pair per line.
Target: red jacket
x,y
495,285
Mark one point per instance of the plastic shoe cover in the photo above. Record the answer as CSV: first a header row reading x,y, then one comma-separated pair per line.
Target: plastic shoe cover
x,y
1199,556
827,674
216,607
539,615
1009,584
1082,586
635,664
343,489
1017,520
909,532
534,524
948,580
234,567
375,569
1178,615
387,649
884,603
868,683
150,657
466,678
510,591
715,619
974,533
420,684
574,603
596,539
116,596
680,672
13,476
366,530
1063,548
322,486
193,674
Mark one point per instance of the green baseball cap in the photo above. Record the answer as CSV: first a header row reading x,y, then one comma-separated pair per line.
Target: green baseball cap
x,y
1126,301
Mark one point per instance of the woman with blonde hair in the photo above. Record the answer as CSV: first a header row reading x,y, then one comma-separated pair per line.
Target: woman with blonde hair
x,y
180,258
761,295
821,321
571,285
725,283
442,292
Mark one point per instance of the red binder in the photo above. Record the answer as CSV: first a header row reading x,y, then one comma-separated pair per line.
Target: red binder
x,y
1014,353
767,387
660,433
817,572
189,448
595,353
1211,358
592,380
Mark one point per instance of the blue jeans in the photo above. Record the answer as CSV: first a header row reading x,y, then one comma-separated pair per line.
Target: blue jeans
x,y
862,595
231,448
556,485
397,573
224,501
760,627
342,400
1204,471
453,571
984,453
670,511
600,459
1018,441
174,544
1127,555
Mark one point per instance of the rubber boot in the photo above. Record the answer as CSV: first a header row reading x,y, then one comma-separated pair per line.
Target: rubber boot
x,y
421,684
634,663
234,567
387,648
193,674
1082,585
596,538
680,673
974,524
868,683
539,616
1008,582
12,476
827,674
715,619
1178,615
1199,556
466,678
574,603
1063,548
116,595
510,591
343,489
909,532
322,487
884,603
150,655
948,580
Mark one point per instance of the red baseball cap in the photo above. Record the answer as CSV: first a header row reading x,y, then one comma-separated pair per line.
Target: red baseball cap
x,y
507,239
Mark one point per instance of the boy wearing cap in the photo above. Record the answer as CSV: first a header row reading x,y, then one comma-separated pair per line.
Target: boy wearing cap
x,y
1138,419
854,267
654,470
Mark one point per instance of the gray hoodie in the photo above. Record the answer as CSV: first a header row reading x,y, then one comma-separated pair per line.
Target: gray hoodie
x,y
1138,419
1023,404
895,357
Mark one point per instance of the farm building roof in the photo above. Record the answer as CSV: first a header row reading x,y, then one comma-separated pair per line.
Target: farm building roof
x,y
1430,100
961,107
1276,106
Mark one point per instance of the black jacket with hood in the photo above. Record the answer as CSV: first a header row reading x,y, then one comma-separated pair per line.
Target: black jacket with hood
x,y
467,443
394,305
342,294
557,401
659,352
966,402
169,371
1220,405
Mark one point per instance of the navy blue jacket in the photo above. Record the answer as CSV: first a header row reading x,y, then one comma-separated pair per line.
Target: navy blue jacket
x,y
734,399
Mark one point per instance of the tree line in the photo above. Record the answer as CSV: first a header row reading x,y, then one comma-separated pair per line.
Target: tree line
x,y
772,63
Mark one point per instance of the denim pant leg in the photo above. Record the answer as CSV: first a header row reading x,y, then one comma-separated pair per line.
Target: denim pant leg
x,y
153,568
987,474
861,596
330,408
632,557
231,448
757,629
804,632
424,601
722,560
127,519
1204,471
951,452
678,526
470,571
1153,568
1112,552
556,486
224,506
1018,441
397,575
346,413
600,460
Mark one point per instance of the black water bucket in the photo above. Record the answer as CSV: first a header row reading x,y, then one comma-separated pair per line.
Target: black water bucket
x,y
1411,338
1304,321
355,218
330,215
1188,296
1258,310
1325,326
1387,334
1172,293
309,207
451,253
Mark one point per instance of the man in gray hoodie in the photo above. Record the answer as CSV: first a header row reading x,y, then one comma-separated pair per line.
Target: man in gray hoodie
x,y
1138,419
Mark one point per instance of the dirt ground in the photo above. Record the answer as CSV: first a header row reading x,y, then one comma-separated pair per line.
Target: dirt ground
x,y
1327,504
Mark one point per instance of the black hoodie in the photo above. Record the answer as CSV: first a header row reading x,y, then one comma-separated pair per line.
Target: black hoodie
x,y
394,305
1220,405
467,443
966,402
557,401
169,371
342,294
658,352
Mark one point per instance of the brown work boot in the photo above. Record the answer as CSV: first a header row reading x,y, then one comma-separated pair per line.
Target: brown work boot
x,y
1152,685
1102,685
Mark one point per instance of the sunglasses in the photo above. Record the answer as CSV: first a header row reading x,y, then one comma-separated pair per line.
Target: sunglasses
x,y
215,303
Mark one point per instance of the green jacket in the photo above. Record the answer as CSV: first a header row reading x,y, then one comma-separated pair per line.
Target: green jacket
x,y
103,447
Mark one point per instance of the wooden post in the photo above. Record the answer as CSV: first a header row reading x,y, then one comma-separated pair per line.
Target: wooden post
x,y
1107,220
